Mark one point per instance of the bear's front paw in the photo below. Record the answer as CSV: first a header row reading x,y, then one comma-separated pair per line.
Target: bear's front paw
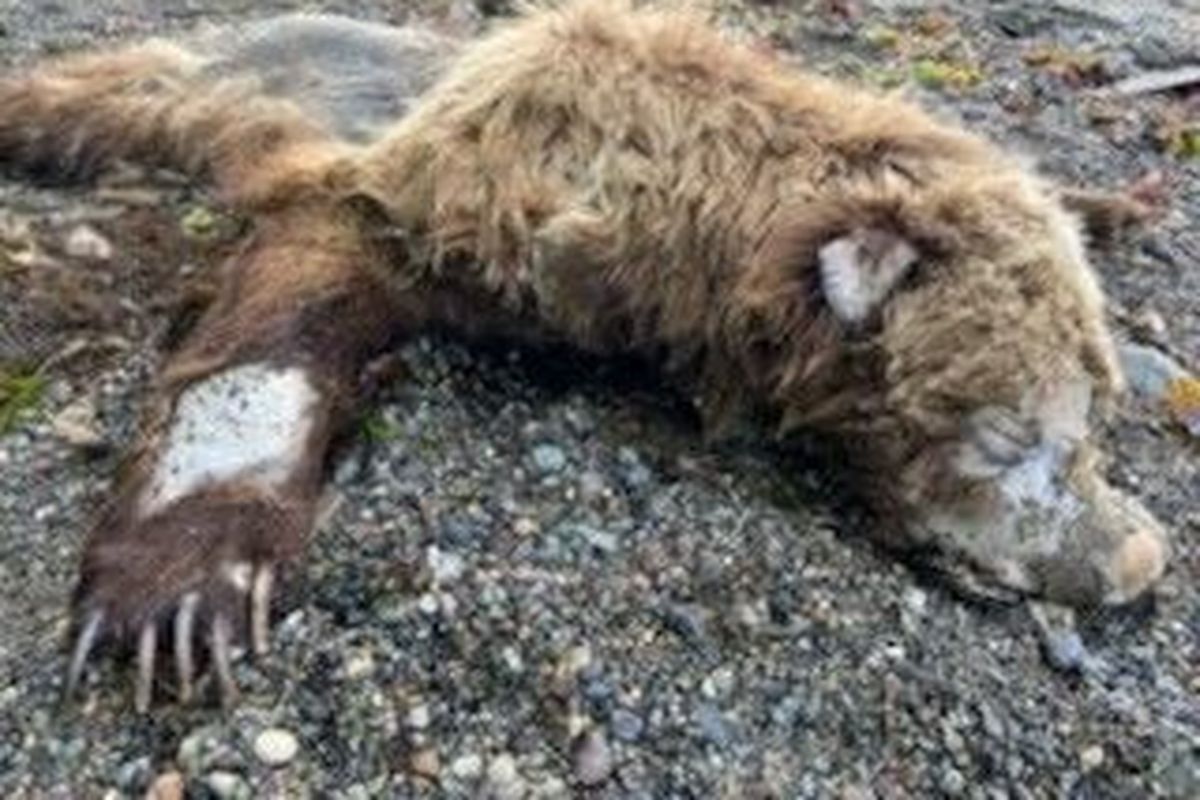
x,y
195,577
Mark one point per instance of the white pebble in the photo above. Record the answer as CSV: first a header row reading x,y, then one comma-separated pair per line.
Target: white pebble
x,y
86,242
467,767
276,747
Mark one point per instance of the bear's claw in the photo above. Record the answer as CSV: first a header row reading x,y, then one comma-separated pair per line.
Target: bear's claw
x,y
189,619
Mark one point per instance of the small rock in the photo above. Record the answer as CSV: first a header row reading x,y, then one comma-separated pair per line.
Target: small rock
x,y
467,767
592,487
550,788
549,458
227,785
686,620
359,664
952,782
599,540
1150,372
712,725
167,786
916,600
1149,325
626,725
201,750
418,717
633,472
86,242
510,657
77,425
428,604
524,526
1065,651
134,773
1091,758
503,780
593,759
426,763
446,567
276,747
1156,52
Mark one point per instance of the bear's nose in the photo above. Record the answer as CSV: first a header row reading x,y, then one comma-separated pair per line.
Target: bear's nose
x,y
1139,561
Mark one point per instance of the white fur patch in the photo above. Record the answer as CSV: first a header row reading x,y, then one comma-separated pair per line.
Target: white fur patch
x,y
1036,480
860,270
250,423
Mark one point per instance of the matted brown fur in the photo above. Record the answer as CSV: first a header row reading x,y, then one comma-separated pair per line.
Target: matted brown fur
x,y
629,180
691,182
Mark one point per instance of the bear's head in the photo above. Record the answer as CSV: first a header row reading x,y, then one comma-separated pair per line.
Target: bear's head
x,y
953,332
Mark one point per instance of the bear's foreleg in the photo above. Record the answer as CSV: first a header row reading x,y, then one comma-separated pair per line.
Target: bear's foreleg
x,y
221,489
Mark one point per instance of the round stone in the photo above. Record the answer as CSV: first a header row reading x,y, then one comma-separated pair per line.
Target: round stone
x,y
426,763
593,760
276,747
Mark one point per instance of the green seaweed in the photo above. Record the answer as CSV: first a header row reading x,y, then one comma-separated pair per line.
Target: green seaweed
x,y
938,74
20,391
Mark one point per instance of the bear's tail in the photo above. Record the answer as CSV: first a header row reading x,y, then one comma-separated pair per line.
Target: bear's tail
x,y
158,104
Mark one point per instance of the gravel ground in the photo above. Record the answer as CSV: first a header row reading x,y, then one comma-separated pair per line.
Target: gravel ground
x,y
533,580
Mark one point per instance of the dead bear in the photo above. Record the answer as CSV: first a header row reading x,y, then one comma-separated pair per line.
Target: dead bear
x,y
625,180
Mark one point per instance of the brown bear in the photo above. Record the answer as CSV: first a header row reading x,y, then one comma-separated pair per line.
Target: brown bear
x,y
789,250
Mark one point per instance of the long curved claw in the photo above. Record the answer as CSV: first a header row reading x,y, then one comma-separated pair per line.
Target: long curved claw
x,y
147,648
222,660
185,663
260,611
88,635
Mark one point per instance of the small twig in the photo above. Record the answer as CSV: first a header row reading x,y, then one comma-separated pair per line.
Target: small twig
x,y
1158,81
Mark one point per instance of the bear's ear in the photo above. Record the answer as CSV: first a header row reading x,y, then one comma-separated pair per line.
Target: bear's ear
x,y
859,270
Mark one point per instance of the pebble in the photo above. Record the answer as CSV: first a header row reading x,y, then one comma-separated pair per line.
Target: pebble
x,y
952,782
633,471
549,458
426,763
593,759
1149,371
592,486
467,767
1065,651
167,786
1149,325
626,725
200,749
134,773
601,541
428,604
524,526
77,425
1091,758
510,657
418,717
1157,52
503,780
359,664
86,242
227,785
712,725
446,567
916,601
686,620
276,747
